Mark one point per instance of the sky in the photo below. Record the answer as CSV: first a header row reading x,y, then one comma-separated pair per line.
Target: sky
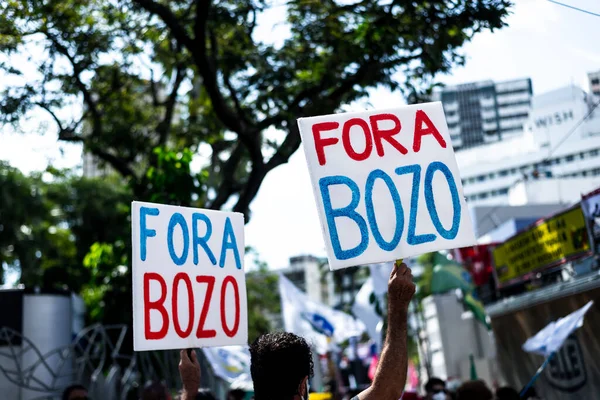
x,y
553,45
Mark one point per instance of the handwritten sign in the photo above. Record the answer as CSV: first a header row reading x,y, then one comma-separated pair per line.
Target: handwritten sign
x,y
386,184
189,287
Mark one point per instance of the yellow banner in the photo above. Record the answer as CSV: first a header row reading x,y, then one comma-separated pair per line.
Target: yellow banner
x,y
549,243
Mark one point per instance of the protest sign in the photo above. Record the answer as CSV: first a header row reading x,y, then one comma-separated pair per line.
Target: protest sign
x,y
189,287
386,184
551,242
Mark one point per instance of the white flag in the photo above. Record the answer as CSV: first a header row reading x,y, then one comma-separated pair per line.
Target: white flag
x,y
314,321
364,310
231,363
380,273
552,337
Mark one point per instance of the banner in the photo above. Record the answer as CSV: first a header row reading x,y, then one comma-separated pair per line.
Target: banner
x,y
549,243
315,321
590,204
189,285
386,184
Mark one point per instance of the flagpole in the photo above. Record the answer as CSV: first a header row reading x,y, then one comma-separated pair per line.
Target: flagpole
x,y
537,374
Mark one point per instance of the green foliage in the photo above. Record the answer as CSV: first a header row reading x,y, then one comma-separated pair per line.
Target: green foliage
x,y
140,75
264,303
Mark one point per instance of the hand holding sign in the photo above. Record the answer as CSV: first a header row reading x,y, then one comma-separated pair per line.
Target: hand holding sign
x,y
189,285
386,184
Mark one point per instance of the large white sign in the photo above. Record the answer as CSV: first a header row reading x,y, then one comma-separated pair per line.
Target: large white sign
x,y
189,287
386,184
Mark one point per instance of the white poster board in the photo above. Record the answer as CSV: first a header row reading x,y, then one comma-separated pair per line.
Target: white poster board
x,y
386,184
189,285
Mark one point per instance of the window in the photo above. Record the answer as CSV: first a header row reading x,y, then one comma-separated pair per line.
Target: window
x,y
596,81
513,171
482,195
503,172
584,173
556,161
594,153
492,175
503,191
569,158
581,156
481,178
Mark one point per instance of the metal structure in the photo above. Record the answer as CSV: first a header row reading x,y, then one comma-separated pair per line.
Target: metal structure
x,y
94,351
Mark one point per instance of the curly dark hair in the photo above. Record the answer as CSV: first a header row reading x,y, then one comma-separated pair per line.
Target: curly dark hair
x,y
279,363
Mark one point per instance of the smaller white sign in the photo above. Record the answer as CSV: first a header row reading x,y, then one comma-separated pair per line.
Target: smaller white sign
x,y
386,184
189,285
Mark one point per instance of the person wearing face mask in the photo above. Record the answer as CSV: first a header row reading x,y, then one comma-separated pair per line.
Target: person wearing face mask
x,y
435,389
281,363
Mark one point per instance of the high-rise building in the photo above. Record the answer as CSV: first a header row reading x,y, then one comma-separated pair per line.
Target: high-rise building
x,y
555,159
594,78
485,112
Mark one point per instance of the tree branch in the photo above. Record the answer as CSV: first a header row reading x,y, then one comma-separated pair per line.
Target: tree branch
x,y
228,185
87,96
165,125
197,47
167,16
120,165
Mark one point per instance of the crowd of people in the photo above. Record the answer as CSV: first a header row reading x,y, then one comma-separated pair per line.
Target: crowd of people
x,y
282,365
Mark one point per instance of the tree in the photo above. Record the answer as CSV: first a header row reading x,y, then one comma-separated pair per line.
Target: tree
x,y
126,77
264,303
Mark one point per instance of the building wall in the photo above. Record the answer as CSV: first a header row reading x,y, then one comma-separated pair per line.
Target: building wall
x,y
453,335
485,112
333,288
552,190
558,141
594,80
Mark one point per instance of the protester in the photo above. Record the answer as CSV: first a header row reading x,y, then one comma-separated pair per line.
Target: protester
x,y
236,394
75,392
281,363
474,390
435,389
189,370
155,391
507,393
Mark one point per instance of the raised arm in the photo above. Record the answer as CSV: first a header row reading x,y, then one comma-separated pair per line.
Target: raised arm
x,y
189,370
390,377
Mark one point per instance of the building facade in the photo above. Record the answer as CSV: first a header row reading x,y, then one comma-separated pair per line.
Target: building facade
x,y
485,112
561,140
336,289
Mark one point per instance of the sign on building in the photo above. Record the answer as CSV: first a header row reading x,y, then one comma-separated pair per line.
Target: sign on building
x,y
551,242
386,184
590,203
189,287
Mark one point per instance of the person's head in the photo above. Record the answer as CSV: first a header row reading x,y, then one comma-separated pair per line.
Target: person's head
x,y
75,392
236,394
474,390
435,388
507,393
155,391
281,364
205,394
